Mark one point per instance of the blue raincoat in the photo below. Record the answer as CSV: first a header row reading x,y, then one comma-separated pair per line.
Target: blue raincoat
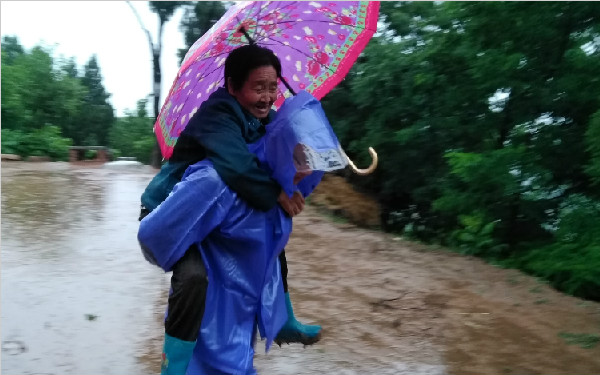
x,y
239,244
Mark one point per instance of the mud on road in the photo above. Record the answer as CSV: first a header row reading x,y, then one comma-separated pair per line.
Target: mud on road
x,y
390,306
78,297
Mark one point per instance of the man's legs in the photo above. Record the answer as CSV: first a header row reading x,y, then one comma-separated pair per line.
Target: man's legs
x,y
186,308
293,330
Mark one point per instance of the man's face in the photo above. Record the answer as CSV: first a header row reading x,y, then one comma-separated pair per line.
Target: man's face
x,y
259,91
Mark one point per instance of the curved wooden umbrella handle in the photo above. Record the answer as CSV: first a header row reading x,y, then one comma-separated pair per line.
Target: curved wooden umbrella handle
x,y
370,169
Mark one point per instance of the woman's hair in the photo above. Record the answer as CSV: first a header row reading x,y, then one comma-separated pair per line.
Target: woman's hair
x,y
242,60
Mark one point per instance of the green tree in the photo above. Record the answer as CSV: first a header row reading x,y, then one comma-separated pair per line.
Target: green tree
x,y
451,76
593,147
481,120
12,49
44,100
35,93
164,10
130,136
572,262
69,67
45,141
198,18
97,115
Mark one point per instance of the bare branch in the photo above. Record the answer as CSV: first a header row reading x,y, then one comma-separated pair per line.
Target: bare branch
x,y
160,32
143,27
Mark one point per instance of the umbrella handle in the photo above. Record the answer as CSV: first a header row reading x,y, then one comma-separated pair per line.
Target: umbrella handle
x,y
370,169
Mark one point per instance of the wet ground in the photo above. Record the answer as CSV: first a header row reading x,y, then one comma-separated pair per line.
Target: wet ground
x,y
78,298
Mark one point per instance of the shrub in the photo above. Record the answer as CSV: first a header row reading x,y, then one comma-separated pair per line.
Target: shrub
x,y
46,141
90,154
572,263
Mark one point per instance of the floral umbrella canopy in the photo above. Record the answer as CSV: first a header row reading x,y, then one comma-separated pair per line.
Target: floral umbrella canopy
x,y
317,43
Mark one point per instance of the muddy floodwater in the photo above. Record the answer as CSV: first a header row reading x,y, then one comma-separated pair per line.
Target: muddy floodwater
x,y
77,297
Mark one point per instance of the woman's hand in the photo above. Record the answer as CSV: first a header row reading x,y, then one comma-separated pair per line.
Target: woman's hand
x,y
294,205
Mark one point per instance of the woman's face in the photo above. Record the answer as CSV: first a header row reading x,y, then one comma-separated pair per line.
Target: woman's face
x,y
259,91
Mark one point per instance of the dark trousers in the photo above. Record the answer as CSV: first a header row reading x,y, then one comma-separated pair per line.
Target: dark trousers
x,y
188,294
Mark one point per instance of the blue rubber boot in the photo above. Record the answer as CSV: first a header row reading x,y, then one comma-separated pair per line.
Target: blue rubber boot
x,y
294,331
176,356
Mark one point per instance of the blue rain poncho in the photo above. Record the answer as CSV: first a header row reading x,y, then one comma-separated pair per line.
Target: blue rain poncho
x,y
239,244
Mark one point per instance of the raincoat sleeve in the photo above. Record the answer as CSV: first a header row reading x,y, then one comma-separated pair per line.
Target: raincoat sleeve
x,y
219,132
183,218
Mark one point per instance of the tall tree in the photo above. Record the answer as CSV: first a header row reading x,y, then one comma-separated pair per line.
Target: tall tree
x,y
34,92
11,49
486,119
452,77
97,115
164,10
69,67
593,147
130,134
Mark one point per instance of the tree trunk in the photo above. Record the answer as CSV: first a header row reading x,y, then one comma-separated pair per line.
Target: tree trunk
x,y
156,154
156,157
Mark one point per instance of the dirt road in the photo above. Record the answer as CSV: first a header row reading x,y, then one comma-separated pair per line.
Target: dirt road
x,y
388,306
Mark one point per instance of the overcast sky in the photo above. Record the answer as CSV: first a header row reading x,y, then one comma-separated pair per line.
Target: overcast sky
x,y
108,29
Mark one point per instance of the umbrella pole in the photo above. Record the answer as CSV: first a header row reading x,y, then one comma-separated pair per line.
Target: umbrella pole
x,y
287,85
251,41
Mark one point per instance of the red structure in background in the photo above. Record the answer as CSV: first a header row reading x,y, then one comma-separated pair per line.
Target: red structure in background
x,y
77,154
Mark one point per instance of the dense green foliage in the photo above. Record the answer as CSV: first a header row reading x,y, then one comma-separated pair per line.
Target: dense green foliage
x,y
97,114
198,19
45,141
47,105
486,117
131,135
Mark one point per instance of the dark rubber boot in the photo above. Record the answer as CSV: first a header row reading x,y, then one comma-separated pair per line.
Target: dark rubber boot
x,y
176,356
294,331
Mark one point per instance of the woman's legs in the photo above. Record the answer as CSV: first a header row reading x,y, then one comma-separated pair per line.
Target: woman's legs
x,y
189,283
284,270
186,308
188,294
293,330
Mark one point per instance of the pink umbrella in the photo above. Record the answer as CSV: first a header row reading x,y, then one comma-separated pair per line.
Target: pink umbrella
x,y
317,43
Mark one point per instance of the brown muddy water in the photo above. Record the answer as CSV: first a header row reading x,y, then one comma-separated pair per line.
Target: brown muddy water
x,y
77,297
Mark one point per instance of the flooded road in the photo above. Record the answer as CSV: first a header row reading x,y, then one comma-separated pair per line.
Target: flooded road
x,y
77,297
